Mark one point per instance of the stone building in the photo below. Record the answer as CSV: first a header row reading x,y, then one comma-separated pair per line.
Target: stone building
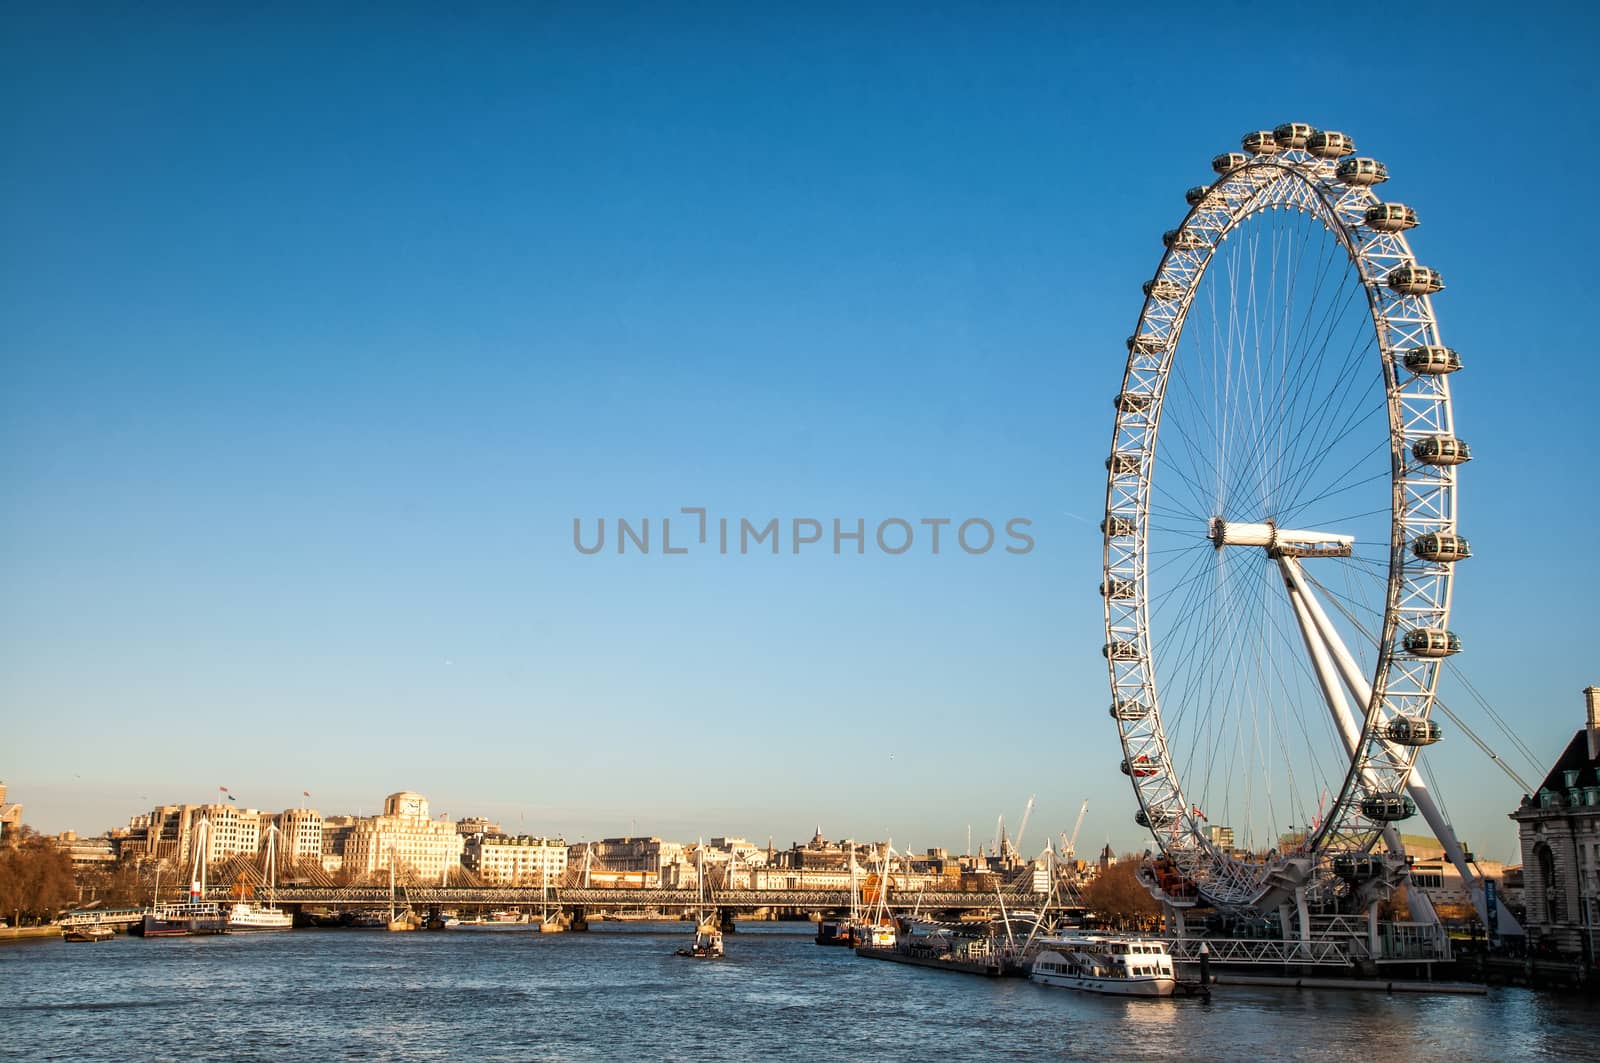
x,y
643,857
406,833
1559,827
172,833
10,816
520,861
336,831
300,834
1432,873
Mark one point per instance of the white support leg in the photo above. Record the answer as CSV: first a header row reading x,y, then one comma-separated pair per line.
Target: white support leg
x,y
1321,658
1416,784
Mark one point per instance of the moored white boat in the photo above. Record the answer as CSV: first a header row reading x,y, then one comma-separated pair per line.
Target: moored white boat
x,y
1121,966
246,916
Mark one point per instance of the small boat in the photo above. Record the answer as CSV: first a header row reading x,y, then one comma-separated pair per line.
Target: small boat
x,y
88,932
858,928
836,932
505,919
398,920
1119,966
707,935
707,943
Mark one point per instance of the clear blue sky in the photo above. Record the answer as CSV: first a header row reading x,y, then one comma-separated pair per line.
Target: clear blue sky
x,y
319,330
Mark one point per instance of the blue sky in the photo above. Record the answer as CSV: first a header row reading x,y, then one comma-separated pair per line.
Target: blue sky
x,y
321,329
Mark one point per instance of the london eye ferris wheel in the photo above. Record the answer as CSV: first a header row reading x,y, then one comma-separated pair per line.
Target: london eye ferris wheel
x,y
1281,530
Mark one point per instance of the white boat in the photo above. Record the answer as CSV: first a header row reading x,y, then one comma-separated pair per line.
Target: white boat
x,y
247,916
1121,966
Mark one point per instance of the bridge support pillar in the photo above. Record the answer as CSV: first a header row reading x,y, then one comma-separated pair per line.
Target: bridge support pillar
x,y
579,921
725,921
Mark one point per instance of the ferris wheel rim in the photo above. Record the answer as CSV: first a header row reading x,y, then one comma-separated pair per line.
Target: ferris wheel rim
x,y
1246,187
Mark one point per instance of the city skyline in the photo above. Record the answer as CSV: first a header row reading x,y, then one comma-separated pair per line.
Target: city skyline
x,y
319,339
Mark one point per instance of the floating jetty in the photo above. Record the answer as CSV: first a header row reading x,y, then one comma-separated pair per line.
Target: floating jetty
x,y
986,966
1370,985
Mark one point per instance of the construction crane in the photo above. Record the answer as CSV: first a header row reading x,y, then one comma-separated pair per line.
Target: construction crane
x,y
1069,846
1022,828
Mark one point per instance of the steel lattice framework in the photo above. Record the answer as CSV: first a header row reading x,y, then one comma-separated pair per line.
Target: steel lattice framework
x,y
1295,168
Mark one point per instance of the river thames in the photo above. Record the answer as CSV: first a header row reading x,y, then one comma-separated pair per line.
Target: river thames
x,y
618,992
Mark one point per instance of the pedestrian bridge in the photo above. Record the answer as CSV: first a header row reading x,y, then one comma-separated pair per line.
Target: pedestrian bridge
x,y
594,899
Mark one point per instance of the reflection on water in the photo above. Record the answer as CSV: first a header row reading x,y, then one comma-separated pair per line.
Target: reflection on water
x,y
619,993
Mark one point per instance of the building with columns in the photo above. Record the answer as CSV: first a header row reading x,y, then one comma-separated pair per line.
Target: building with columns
x,y
1559,827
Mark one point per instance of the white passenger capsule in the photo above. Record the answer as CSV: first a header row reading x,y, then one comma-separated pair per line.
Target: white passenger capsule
x,y
1261,142
1431,360
1387,807
1121,650
1441,547
1197,195
1134,401
1184,240
1141,768
1293,134
1431,642
1123,464
1390,217
1403,731
1159,817
1117,527
1146,344
1117,589
1363,172
1229,161
1415,280
1129,710
1162,288
1442,450
1327,144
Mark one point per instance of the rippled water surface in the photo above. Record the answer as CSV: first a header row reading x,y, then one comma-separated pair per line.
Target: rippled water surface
x,y
617,992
